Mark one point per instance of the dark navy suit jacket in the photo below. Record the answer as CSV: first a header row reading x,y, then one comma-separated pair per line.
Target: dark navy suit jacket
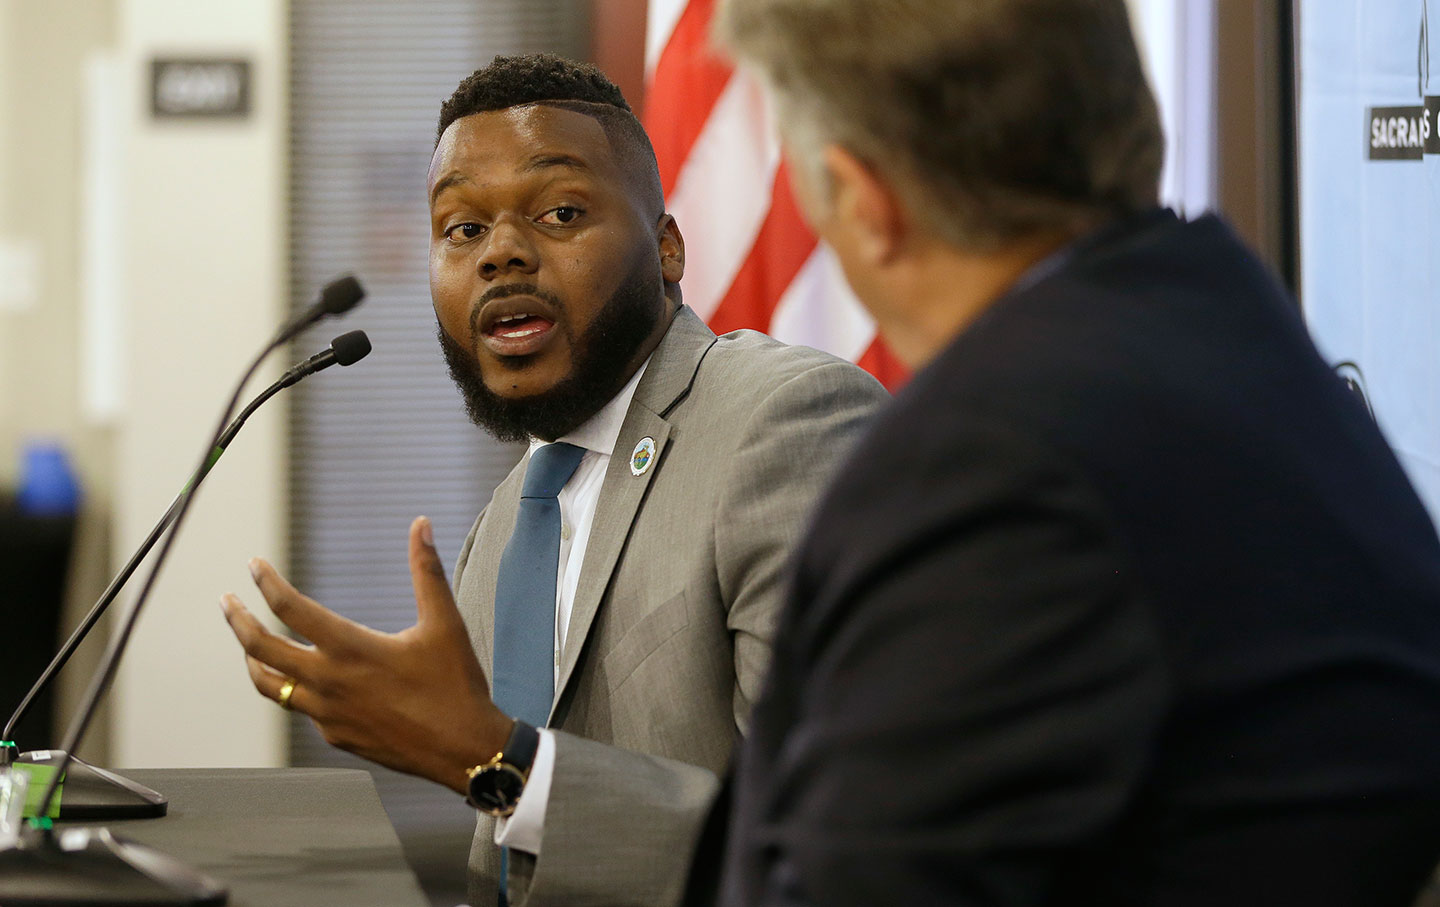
x,y
1124,601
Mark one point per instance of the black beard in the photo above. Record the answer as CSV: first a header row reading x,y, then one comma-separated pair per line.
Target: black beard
x,y
598,368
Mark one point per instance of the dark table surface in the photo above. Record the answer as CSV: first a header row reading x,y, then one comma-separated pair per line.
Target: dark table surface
x,y
301,836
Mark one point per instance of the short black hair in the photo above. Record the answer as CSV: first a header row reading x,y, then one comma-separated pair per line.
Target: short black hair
x,y
514,81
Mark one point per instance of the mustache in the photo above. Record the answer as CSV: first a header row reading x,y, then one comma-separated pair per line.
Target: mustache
x,y
505,292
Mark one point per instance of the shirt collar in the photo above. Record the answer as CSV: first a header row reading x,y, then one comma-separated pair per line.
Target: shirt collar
x,y
600,431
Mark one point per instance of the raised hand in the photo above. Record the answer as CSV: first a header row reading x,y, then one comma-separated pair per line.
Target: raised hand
x,y
416,701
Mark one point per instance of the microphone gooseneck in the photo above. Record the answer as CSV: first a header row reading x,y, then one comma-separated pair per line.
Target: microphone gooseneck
x,y
338,296
345,350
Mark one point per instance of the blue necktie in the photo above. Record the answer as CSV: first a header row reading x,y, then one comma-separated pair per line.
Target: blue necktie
x,y
525,590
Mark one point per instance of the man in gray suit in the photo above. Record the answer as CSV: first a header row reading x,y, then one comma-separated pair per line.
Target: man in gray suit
x,y
692,462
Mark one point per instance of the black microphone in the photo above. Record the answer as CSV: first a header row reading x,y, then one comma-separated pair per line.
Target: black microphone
x,y
336,298
347,349
91,792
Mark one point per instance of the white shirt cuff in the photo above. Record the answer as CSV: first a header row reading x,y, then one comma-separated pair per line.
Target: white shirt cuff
x,y
522,829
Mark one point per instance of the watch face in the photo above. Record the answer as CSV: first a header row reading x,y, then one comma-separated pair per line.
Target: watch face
x,y
495,789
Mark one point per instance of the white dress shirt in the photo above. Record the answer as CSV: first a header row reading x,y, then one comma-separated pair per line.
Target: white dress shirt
x,y
522,830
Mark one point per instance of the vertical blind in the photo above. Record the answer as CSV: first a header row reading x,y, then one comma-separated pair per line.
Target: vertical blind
x,y
377,444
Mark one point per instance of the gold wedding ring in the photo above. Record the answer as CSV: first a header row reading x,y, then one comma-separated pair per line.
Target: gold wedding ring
x,y
287,689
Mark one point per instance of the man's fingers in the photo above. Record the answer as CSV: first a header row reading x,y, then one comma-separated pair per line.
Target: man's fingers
x,y
271,684
281,654
433,599
300,613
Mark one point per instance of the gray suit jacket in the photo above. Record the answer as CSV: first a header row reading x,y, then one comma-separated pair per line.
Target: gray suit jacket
x,y
669,637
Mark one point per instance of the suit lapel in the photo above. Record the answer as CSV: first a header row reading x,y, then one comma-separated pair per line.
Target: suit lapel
x,y
666,381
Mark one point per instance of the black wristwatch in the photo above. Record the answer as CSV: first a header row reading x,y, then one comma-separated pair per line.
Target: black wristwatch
x,y
495,786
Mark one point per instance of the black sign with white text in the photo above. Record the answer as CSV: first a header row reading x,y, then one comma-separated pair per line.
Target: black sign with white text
x,y
204,88
1398,133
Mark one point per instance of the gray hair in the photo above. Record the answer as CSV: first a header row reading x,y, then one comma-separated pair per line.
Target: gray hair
x,y
993,118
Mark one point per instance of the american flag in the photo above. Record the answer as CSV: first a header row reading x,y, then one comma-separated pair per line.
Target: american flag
x,y
751,262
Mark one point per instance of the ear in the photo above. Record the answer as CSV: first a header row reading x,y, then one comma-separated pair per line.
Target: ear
x,y
672,249
866,205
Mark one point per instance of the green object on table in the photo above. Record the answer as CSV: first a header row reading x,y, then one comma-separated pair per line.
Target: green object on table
x,y
39,777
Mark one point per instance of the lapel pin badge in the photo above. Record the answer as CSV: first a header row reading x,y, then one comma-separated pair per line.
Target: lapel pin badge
x,y
642,457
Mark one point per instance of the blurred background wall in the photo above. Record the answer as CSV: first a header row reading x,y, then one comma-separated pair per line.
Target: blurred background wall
x,y
43,49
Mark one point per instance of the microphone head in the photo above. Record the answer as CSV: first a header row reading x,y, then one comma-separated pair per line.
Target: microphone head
x,y
341,295
350,347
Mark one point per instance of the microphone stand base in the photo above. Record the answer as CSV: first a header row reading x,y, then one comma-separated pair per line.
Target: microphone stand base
x,y
92,793
92,867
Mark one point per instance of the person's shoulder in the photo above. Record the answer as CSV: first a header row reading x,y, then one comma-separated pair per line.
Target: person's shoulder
x,y
748,382
760,361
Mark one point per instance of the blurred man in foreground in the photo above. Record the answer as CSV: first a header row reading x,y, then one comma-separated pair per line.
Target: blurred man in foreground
x,y
621,587
1124,600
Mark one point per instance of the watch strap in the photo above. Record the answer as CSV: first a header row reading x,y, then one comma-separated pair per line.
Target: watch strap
x,y
521,748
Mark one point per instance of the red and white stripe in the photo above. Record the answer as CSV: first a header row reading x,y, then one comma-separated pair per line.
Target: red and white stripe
x,y
750,260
